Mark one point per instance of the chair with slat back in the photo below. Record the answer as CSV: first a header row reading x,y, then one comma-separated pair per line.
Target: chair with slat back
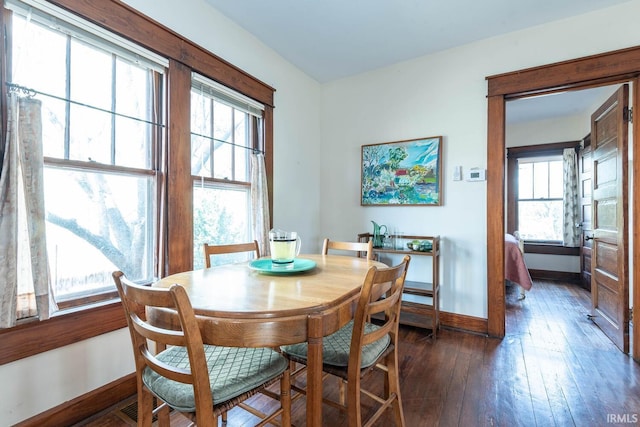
x,y
212,250
201,381
359,347
363,248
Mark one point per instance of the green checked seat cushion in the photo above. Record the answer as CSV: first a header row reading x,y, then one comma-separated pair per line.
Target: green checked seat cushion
x,y
232,372
335,347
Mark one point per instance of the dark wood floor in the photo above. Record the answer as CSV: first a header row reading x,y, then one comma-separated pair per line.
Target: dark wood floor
x,y
553,368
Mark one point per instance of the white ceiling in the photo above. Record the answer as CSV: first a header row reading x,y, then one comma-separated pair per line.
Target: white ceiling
x,y
557,105
332,39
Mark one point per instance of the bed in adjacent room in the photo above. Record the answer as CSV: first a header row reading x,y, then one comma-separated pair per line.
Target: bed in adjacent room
x,y
515,269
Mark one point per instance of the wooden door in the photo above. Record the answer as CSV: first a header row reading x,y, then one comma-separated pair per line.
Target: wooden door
x,y
584,182
609,271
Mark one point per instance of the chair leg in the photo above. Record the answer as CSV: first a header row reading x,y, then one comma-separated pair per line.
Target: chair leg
x,y
285,398
392,383
342,390
145,407
163,414
354,410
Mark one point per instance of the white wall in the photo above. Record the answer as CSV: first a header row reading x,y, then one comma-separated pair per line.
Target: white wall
x,y
40,382
318,133
562,129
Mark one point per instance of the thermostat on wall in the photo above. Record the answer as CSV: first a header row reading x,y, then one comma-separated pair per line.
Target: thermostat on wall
x,y
476,174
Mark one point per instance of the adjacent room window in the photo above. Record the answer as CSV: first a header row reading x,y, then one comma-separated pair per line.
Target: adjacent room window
x,y
225,131
101,110
539,198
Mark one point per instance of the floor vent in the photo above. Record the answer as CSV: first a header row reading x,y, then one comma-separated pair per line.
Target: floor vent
x,y
131,410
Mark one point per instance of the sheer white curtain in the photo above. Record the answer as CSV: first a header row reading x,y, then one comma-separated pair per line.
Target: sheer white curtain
x,y
259,203
23,292
571,231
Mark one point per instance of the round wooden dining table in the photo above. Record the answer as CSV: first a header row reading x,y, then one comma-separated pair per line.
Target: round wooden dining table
x,y
242,307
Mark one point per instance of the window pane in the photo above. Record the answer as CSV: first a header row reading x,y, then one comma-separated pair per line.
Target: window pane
x,y
91,71
222,131
242,140
556,180
133,99
525,181
220,216
133,143
201,109
39,57
540,180
201,156
89,134
223,123
98,223
222,164
53,126
132,90
540,220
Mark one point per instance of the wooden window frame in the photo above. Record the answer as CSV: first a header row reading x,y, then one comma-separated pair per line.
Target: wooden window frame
x,y
30,336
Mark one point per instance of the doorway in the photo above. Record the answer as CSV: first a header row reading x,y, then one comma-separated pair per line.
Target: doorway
x,y
538,130
593,71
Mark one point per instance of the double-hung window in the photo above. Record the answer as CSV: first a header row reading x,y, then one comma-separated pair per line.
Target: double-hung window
x,y
102,127
225,131
113,197
539,198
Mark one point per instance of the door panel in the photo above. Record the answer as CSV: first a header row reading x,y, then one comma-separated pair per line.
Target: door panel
x,y
609,272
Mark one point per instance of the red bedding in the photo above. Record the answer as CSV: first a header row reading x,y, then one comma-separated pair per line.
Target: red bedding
x,y
514,266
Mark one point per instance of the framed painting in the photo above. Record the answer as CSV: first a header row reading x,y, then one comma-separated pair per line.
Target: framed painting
x,y
402,173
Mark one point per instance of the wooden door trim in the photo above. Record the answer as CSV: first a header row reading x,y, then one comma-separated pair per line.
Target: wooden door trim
x,y
590,71
496,216
608,68
635,223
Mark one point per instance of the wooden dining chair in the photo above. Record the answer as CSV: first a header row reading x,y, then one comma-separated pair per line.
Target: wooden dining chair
x,y
200,381
365,248
359,347
212,250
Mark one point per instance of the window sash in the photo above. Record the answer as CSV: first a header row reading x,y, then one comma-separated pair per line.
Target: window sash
x,y
71,24
143,122
224,227
541,182
534,222
203,85
221,156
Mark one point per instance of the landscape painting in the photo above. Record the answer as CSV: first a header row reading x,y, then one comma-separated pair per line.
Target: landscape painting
x,y
402,173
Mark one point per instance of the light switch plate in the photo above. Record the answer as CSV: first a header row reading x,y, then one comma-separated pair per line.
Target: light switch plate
x,y
457,173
